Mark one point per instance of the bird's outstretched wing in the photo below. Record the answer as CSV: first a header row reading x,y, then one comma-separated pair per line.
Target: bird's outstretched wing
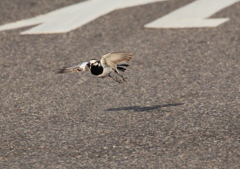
x,y
76,68
112,59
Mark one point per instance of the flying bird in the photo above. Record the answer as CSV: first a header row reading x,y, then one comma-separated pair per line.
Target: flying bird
x,y
111,62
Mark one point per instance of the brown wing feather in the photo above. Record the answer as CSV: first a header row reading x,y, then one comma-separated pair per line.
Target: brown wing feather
x,y
112,59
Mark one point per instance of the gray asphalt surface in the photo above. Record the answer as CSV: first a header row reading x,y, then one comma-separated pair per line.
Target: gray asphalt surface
x,y
180,108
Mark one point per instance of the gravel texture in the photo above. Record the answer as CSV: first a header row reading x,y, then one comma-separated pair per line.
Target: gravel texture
x,y
180,108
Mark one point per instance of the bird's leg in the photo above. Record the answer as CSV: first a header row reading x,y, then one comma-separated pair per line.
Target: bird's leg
x,y
115,79
123,78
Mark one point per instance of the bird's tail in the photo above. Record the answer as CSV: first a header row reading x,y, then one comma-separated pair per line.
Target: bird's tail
x,y
76,68
71,69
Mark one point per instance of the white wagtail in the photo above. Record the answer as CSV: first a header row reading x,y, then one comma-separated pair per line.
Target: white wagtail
x,y
109,63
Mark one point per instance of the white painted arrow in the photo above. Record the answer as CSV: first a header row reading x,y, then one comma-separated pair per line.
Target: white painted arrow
x,y
193,15
73,16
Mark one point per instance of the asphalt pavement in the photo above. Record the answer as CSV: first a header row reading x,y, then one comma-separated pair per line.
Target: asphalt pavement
x,y
179,109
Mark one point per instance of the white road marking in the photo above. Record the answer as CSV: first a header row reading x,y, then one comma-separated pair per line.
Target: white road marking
x,y
193,15
73,16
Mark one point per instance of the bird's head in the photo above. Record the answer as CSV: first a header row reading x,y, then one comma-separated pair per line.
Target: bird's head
x,y
94,62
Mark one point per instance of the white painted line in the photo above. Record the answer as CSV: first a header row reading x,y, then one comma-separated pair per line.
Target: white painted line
x,y
73,16
193,15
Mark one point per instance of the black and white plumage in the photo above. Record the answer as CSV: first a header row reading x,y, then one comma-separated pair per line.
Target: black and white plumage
x,y
111,62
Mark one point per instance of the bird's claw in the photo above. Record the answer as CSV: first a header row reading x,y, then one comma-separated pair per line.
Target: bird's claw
x,y
119,80
124,79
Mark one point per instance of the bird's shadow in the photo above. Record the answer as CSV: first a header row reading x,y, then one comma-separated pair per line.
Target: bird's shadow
x,y
144,108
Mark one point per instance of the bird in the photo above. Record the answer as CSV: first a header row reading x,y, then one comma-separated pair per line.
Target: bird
x,y
111,62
